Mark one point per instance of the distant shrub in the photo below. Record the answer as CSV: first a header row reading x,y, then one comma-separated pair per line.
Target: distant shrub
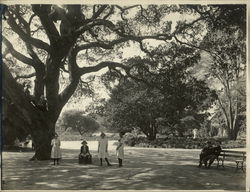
x,y
181,142
164,145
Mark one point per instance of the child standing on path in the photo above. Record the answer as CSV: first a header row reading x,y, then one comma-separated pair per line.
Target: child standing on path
x,y
56,151
103,149
120,150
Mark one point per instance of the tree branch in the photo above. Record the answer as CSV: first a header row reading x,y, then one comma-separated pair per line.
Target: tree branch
x,y
34,56
185,25
29,47
36,30
103,45
120,31
110,64
31,18
16,54
236,110
99,12
22,20
124,9
65,95
197,47
111,44
74,77
145,49
111,11
113,65
42,11
25,76
24,36
224,111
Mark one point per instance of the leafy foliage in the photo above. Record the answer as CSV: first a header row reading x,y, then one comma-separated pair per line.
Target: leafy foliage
x,y
160,91
227,50
78,122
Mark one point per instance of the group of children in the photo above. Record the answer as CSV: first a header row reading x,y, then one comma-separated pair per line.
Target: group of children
x,y
207,156
85,156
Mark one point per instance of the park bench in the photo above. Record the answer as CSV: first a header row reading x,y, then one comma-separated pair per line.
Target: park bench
x,y
239,157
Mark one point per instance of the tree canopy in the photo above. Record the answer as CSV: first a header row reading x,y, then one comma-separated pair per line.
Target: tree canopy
x,y
160,88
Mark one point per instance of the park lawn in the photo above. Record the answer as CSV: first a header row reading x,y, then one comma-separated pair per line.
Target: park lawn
x,y
144,169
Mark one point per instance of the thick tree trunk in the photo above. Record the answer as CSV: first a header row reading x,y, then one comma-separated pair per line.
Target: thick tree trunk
x,y
231,120
29,119
42,141
232,133
232,125
151,137
152,133
39,84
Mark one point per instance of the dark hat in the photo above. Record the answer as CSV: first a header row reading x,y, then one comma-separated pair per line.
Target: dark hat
x,y
84,142
102,134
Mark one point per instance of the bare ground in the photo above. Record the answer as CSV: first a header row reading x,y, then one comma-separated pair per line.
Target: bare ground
x,y
144,169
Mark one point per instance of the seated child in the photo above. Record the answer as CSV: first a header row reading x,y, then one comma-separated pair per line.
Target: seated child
x,y
85,156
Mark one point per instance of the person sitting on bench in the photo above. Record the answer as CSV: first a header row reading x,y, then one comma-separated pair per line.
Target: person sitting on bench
x,y
209,154
85,156
205,152
216,152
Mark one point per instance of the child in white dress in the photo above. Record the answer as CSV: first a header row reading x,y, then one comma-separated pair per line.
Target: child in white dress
x,y
56,151
120,150
103,149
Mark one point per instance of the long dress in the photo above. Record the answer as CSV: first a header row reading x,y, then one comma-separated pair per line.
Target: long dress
x,y
56,151
103,145
120,151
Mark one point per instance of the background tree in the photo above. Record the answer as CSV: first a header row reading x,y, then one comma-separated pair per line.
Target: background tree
x,y
134,106
78,122
160,87
229,69
225,47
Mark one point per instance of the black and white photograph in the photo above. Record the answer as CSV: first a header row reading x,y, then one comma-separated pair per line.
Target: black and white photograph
x,y
127,95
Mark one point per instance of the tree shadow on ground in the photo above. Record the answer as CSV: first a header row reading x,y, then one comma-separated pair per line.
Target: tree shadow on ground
x,y
143,170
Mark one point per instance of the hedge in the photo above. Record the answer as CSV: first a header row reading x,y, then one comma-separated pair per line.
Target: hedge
x,y
182,142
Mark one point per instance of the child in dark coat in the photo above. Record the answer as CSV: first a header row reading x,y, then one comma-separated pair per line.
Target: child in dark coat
x,y
85,156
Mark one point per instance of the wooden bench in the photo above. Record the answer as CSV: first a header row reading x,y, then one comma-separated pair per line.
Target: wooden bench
x,y
238,157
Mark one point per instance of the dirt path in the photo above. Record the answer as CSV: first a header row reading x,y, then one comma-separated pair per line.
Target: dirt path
x,y
144,169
